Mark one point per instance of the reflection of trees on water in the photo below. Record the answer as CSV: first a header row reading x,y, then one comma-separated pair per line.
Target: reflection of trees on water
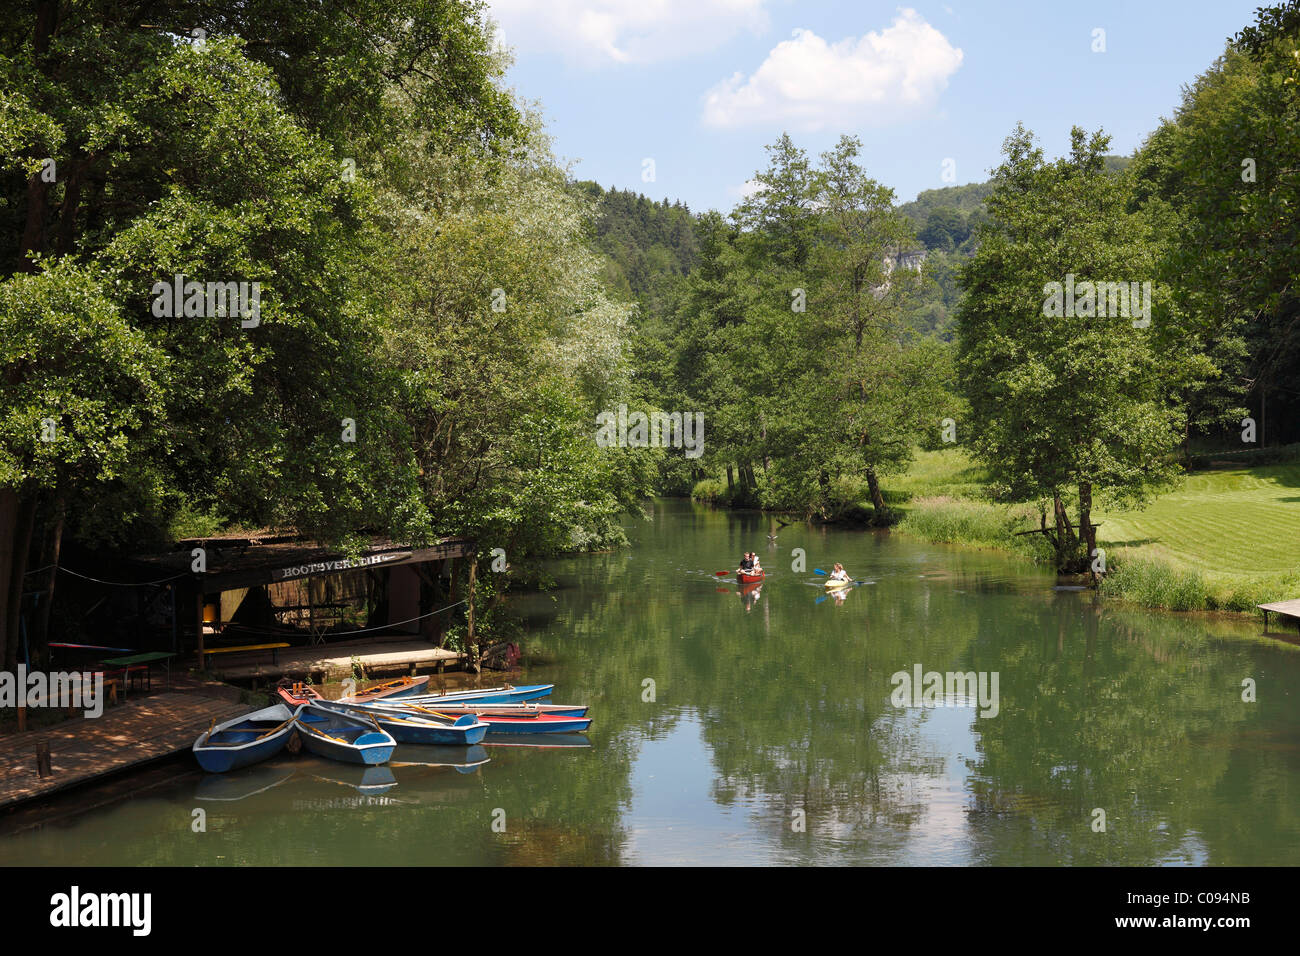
x,y
1136,714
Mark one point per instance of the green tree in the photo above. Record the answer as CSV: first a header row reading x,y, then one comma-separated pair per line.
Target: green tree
x,y
1067,397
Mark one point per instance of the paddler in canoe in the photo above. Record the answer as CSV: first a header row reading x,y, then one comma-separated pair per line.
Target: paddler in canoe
x,y
750,570
838,579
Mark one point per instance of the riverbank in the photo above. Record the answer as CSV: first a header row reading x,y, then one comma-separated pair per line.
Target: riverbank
x,y
1223,540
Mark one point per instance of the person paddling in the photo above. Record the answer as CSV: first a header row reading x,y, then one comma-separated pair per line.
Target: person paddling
x,y
747,561
839,574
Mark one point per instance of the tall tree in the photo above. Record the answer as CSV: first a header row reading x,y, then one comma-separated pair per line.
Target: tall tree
x,y
1070,390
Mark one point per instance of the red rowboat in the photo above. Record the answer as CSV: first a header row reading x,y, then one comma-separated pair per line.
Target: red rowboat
x,y
744,578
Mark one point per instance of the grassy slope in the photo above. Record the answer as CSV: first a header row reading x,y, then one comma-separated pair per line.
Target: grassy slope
x,y
1224,539
1231,523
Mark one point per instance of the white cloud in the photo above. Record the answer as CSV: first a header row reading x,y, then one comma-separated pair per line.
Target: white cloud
x,y
809,83
599,32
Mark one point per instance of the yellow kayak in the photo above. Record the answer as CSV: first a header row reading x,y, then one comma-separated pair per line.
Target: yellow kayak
x,y
836,585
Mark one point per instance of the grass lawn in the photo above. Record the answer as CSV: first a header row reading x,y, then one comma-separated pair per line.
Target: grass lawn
x,y
948,473
1236,522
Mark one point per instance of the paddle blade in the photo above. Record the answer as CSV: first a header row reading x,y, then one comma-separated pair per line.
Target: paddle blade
x,y
818,571
721,574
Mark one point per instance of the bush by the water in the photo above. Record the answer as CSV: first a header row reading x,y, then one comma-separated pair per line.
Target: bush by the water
x,y
979,523
1155,584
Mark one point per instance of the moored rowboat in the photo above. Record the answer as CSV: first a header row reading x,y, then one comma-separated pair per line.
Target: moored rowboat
x,y
541,724
489,695
526,722
343,737
409,728
245,740
404,727
499,710
401,687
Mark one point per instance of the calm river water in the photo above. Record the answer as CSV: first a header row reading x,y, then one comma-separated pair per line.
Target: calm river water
x,y
771,736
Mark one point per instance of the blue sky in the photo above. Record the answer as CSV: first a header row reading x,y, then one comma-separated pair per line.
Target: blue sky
x,y
699,86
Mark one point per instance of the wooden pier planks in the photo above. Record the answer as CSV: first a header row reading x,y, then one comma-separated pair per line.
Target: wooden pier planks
x,y
137,732
335,660
1281,609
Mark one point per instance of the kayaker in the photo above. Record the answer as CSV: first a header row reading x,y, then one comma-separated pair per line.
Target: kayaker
x,y
747,561
839,574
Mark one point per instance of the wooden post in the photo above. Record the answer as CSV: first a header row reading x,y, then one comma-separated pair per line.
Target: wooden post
x,y
22,714
43,759
471,646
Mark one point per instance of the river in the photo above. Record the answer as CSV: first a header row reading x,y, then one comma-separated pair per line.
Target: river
x,y
760,728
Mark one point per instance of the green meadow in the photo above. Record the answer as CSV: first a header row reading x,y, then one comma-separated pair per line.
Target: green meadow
x,y
1222,539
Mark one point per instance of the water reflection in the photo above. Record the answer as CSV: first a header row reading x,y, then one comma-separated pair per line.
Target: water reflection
x,y
734,727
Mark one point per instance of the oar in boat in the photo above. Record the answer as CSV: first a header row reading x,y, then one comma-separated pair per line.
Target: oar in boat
x,y
207,740
426,710
317,730
451,718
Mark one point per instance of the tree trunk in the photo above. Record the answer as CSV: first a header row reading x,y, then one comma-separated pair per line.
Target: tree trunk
x,y
50,557
1086,527
1067,545
471,643
731,482
38,190
877,498
19,542
8,532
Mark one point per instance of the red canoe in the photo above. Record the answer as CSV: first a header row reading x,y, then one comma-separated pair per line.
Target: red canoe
x,y
744,578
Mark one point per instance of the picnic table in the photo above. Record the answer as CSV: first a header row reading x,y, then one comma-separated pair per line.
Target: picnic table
x,y
144,662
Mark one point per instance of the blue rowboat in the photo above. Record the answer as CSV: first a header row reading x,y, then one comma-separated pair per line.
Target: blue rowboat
x,y
412,728
511,709
245,740
537,724
516,722
489,695
344,737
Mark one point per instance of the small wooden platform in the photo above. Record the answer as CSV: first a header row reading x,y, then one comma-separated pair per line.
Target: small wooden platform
x,y
334,661
137,732
1283,608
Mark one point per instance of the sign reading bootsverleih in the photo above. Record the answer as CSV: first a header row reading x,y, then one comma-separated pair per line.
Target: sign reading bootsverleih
x,y
341,564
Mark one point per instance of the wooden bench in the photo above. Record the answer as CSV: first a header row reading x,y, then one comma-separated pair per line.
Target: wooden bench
x,y
110,686
273,648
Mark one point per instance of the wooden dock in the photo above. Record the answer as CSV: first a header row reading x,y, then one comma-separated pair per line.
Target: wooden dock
x,y
139,731
326,662
1282,609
